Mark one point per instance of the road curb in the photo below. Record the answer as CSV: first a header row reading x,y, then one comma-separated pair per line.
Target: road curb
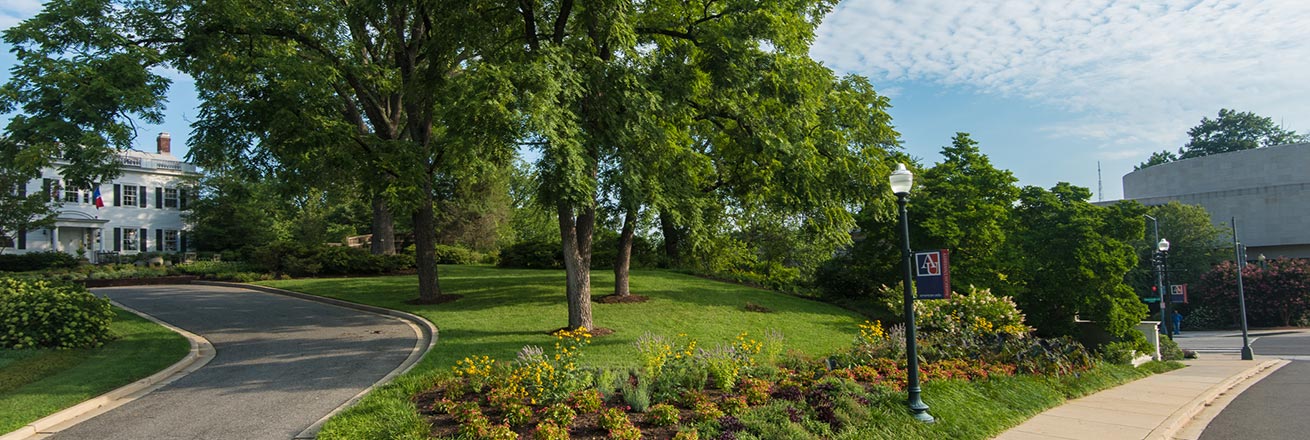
x,y
1184,415
426,331
200,354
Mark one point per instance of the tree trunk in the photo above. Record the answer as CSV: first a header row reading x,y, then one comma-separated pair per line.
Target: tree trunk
x,y
671,238
576,237
425,238
384,228
623,260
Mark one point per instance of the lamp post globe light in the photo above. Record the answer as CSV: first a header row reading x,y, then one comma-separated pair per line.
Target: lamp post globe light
x,y
902,180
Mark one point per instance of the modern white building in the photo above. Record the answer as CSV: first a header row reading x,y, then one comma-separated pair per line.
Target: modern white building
x,y
1266,189
142,209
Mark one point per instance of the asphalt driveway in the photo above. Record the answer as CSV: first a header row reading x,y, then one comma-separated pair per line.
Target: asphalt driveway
x,y
281,364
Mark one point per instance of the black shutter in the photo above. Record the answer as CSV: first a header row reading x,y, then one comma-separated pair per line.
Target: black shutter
x,y
118,232
22,238
181,241
181,199
159,198
159,239
45,188
22,190
118,196
142,199
144,246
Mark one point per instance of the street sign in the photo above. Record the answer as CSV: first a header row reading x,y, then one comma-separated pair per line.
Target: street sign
x,y
933,274
1178,293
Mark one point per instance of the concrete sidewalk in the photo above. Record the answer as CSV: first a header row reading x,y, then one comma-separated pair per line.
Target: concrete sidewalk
x,y
1164,406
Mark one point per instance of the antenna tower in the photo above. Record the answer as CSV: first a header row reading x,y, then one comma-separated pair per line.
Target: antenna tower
x,y
1100,190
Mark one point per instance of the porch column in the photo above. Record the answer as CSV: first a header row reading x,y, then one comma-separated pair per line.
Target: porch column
x,y
54,239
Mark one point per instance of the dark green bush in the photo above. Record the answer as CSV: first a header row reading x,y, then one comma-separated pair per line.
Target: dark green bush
x,y
456,255
295,259
44,314
532,255
36,261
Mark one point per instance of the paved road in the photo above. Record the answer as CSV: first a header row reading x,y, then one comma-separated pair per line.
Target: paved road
x,y
281,364
1277,406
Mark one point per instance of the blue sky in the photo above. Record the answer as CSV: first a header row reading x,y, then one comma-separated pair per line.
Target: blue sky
x,y
1048,88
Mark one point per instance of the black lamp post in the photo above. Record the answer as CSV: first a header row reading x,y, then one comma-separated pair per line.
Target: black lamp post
x,y
1240,250
902,180
1162,251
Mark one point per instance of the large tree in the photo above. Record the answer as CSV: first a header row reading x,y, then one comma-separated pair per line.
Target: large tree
x,y
392,93
1230,131
674,99
1069,258
964,204
1195,245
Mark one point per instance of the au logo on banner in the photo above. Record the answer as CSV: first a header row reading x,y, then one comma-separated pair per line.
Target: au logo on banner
x,y
1178,293
933,274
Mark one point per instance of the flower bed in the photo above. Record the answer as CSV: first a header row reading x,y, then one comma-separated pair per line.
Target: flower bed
x,y
680,390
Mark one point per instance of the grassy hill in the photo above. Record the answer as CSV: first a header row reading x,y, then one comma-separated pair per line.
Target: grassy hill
x,y
503,310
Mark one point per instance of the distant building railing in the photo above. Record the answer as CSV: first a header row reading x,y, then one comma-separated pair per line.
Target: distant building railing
x,y
158,164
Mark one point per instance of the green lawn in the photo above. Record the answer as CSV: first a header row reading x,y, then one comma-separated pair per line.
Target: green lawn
x,y
503,310
506,309
37,383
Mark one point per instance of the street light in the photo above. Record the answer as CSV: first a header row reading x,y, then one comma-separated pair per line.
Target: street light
x,y
902,180
1162,249
1262,259
1240,250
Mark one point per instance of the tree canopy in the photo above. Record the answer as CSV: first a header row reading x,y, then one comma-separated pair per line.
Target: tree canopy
x,y
965,204
1069,258
1230,131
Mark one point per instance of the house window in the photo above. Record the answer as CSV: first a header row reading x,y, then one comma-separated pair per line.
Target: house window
x,y
71,196
6,242
170,241
129,195
131,239
170,198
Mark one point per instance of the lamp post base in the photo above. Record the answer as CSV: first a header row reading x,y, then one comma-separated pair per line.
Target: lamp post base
x,y
919,410
1247,355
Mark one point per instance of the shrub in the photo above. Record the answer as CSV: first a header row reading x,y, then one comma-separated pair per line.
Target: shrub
x,y
1169,350
36,261
637,395
550,431
1120,353
662,415
613,419
456,255
586,401
532,255
979,313
687,434
291,258
559,414
44,314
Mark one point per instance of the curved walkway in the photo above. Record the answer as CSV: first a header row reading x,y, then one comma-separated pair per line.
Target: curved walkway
x,y
281,365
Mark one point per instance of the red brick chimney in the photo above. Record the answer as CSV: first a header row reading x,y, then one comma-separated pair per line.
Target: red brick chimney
x,y
165,143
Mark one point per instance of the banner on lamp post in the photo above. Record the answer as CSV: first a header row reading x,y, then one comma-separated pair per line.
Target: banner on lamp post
x,y
1178,293
933,274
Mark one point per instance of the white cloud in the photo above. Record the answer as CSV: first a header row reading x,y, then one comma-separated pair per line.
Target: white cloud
x,y
14,11
1137,75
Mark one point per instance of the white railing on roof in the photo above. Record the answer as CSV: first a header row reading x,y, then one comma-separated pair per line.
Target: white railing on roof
x,y
158,164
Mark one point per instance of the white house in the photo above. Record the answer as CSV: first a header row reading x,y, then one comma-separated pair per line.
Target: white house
x,y
142,209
